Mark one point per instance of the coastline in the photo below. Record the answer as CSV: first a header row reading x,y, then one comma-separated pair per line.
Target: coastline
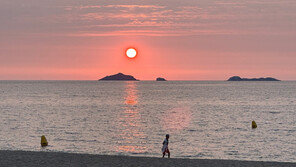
x,y
31,158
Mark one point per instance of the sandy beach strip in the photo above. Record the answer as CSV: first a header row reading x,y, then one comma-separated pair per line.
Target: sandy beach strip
x,y
29,158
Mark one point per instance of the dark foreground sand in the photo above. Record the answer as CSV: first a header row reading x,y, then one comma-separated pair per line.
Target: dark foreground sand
x,y
27,158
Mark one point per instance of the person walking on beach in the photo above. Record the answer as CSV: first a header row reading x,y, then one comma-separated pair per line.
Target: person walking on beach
x,y
165,147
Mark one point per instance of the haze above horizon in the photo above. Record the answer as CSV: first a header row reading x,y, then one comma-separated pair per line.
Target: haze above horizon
x,y
178,40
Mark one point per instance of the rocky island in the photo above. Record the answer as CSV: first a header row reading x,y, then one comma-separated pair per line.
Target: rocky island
x,y
237,78
119,77
160,79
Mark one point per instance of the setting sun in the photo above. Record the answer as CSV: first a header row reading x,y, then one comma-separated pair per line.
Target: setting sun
x,y
131,53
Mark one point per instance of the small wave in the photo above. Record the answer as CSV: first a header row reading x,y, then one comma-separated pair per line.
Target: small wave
x,y
72,133
202,154
192,130
142,153
274,112
75,140
231,152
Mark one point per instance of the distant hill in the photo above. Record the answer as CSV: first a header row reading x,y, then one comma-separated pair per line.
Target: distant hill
x,y
237,78
160,79
119,77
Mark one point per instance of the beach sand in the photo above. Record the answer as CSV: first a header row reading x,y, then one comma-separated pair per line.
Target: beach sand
x,y
29,158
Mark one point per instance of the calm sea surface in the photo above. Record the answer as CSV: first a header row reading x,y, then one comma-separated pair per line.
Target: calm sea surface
x,y
204,119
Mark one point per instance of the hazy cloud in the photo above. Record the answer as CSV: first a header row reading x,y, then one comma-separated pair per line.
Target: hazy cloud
x,y
88,16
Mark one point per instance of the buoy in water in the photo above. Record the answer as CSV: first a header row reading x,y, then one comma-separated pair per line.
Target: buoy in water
x,y
43,141
254,125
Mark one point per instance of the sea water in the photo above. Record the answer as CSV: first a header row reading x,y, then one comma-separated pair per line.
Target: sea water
x,y
204,119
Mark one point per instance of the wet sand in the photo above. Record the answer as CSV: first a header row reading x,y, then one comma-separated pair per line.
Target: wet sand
x,y
28,158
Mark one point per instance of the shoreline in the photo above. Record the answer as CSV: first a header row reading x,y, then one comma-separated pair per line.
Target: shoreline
x,y
32,158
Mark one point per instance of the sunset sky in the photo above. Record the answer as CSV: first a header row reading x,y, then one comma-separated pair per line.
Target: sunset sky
x,y
175,39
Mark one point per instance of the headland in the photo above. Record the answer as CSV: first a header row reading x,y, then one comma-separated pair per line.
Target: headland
x,y
119,77
160,79
237,78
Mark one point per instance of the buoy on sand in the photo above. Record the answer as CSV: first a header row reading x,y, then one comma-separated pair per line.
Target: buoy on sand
x,y
254,125
43,141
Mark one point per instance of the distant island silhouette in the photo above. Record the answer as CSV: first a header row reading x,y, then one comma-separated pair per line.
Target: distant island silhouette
x,y
160,79
119,77
237,78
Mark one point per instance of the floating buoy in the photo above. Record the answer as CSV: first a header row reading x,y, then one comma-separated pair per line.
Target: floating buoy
x,y
43,141
254,125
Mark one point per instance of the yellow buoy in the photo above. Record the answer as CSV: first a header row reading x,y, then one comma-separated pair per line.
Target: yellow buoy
x,y
254,125
43,141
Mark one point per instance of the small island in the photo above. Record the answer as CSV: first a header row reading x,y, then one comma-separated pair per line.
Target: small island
x,y
160,79
237,78
119,77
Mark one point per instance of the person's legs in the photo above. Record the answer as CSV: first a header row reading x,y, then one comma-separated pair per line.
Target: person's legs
x,y
169,154
163,154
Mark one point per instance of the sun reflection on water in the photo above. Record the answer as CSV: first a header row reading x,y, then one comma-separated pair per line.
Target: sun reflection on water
x,y
131,97
131,137
176,119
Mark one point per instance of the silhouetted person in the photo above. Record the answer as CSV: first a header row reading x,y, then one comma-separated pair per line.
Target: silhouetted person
x,y
165,147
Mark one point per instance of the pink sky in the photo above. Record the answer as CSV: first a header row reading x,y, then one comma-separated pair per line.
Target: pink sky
x,y
178,40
